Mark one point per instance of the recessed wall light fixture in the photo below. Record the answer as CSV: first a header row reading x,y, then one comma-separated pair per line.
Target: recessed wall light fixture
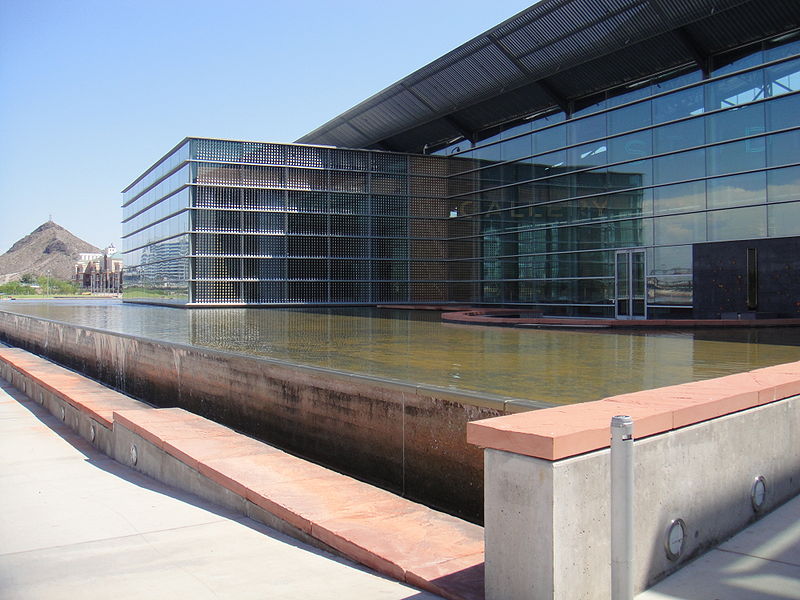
x,y
758,493
675,539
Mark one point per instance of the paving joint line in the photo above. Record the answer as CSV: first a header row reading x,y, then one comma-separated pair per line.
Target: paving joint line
x,y
782,562
117,537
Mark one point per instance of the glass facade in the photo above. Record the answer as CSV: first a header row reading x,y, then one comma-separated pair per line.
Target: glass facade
x,y
228,222
556,205
593,213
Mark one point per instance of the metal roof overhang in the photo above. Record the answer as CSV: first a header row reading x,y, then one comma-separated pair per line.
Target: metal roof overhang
x,y
550,55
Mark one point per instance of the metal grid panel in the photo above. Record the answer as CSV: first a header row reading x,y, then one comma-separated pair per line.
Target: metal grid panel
x,y
389,205
262,176
562,21
218,150
437,129
313,231
396,107
260,153
549,38
344,181
349,160
476,74
350,204
306,179
681,11
730,30
306,156
389,184
217,197
268,227
219,174
263,199
264,245
389,163
263,222
515,104
430,165
344,135
663,50
308,201
606,37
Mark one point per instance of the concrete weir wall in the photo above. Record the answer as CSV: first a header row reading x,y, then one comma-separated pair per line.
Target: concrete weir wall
x,y
406,438
698,450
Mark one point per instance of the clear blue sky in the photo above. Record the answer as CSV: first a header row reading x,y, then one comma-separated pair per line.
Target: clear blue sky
x,y
92,92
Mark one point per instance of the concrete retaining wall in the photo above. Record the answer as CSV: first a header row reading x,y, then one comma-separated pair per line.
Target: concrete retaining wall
x,y
405,438
699,449
339,514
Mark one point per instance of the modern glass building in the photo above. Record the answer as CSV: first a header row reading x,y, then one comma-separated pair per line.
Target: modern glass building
x,y
219,222
630,159
611,203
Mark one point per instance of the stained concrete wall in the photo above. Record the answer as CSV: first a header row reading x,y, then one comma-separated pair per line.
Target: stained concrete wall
x,y
547,526
406,438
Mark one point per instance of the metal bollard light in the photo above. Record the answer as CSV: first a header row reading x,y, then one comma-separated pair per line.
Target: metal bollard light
x,y
622,508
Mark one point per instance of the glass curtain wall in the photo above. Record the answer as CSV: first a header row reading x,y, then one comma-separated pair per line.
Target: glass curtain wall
x,y
548,204
545,214
155,225
229,222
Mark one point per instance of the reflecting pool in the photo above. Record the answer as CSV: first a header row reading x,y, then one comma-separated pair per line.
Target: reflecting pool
x,y
544,365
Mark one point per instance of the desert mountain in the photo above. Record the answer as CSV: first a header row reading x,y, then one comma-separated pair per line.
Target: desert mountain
x,y
49,247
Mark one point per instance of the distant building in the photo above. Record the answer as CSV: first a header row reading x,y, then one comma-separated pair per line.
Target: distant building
x,y
614,159
99,272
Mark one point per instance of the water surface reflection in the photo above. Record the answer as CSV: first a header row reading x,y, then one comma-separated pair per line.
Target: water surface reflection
x,y
537,364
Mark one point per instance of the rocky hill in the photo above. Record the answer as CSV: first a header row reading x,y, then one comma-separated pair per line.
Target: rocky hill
x,y
49,247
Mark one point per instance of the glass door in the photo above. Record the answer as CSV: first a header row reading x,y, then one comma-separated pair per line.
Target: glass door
x,y
630,285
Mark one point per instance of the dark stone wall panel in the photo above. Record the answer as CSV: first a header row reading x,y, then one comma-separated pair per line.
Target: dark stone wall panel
x,y
720,278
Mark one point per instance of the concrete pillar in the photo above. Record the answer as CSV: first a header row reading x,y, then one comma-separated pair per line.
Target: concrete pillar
x,y
546,527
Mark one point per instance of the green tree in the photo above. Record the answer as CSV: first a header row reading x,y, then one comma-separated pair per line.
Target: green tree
x,y
55,286
59,286
14,288
27,278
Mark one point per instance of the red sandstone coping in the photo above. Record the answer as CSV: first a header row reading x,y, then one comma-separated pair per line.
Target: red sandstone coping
x,y
506,317
397,537
83,394
564,431
429,307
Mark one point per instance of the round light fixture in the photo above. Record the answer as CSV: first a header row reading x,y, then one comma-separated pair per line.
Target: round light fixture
x,y
758,493
134,454
675,539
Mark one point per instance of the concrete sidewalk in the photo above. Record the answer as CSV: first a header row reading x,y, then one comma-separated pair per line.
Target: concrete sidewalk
x,y
75,523
760,563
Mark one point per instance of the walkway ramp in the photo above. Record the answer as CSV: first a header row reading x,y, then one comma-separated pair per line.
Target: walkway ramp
x,y
390,534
